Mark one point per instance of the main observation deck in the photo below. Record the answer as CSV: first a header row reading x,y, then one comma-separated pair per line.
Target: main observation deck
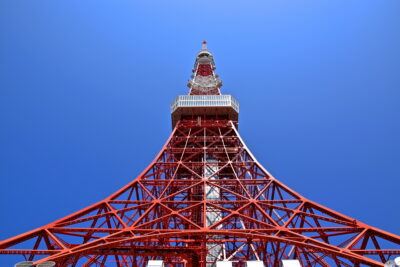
x,y
203,105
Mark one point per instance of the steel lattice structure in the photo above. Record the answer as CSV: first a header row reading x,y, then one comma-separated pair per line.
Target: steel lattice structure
x,y
203,199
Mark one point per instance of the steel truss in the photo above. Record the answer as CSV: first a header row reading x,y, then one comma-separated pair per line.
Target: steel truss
x,y
162,214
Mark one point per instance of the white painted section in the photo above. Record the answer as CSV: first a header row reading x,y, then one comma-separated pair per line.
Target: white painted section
x,y
213,193
155,263
46,264
390,264
291,263
215,250
24,264
204,45
204,101
397,261
393,263
224,264
254,264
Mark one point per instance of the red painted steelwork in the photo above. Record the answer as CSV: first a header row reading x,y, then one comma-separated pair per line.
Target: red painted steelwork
x,y
204,70
205,81
165,214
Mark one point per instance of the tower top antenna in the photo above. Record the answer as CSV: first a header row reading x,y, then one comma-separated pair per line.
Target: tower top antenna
x,y
204,45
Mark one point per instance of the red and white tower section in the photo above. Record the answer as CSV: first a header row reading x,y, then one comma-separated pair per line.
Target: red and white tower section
x,y
205,201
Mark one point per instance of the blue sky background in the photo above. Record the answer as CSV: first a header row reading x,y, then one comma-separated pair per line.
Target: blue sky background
x,y
85,88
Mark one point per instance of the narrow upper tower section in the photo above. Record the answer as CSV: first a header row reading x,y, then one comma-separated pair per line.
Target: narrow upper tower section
x,y
204,80
205,99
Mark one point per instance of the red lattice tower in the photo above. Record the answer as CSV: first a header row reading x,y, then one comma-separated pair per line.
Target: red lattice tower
x,y
204,199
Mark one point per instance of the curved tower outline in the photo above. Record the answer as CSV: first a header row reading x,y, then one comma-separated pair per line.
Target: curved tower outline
x,y
205,199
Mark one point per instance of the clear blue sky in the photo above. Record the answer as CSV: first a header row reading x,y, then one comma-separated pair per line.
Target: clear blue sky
x,y
85,88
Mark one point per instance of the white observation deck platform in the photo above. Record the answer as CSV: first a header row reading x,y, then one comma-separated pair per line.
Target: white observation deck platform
x,y
203,105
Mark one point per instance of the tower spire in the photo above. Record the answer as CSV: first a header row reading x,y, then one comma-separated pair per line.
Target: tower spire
x,y
204,45
204,81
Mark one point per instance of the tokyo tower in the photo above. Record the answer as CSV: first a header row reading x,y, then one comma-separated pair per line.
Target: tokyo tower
x,y
205,201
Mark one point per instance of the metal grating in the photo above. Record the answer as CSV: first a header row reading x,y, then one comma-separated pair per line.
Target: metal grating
x,y
204,101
